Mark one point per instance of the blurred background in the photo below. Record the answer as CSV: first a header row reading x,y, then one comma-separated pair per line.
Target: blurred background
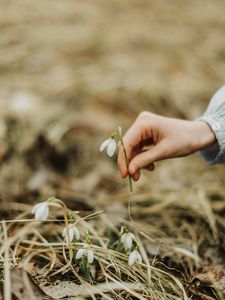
x,y
72,71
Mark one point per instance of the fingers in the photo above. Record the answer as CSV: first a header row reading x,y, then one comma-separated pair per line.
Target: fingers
x,y
136,176
150,167
132,139
145,160
121,161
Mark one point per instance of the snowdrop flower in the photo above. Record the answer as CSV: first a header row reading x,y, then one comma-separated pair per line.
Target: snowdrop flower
x,y
127,240
73,231
90,254
110,144
41,211
134,256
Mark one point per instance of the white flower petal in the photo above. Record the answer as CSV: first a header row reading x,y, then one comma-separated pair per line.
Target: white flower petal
x,y
104,145
123,238
45,213
128,242
80,253
111,147
76,232
132,258
73,231
90,256
139,258
71,234
42,211
132,235
35,207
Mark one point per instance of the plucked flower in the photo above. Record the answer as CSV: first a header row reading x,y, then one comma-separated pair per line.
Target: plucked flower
x,y
127,240
73,231
110,144
41,211
134,256
85,251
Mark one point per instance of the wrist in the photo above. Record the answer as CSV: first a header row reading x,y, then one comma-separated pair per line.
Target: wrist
x,y
205,136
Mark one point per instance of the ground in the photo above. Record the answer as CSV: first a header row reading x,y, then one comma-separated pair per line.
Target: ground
x,y
71,72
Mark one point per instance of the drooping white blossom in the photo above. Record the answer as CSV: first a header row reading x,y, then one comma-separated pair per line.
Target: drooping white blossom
x,y
90,256
73,231
80,253
87,252
127,240
134,257
41,211
110,145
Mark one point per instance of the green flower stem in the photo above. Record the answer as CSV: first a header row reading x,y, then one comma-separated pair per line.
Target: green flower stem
x,y
126,158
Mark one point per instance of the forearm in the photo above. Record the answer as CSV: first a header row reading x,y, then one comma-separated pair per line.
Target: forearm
x,y
204,135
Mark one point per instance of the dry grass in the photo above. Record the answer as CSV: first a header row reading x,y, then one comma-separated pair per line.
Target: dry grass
x,y
175,241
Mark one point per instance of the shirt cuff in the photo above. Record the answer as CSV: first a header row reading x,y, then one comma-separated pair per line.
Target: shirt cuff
x,y
216,152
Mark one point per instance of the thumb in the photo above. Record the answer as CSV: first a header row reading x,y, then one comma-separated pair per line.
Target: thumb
x,y
146,158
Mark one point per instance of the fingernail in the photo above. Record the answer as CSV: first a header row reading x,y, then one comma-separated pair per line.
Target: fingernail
x,y
153,168
136,177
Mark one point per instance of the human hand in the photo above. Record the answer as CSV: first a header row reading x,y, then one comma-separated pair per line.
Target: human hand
x,y
153,138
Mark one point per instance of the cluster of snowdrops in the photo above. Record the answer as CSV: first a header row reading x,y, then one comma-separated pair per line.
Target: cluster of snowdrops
x,y
71,234
126,243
